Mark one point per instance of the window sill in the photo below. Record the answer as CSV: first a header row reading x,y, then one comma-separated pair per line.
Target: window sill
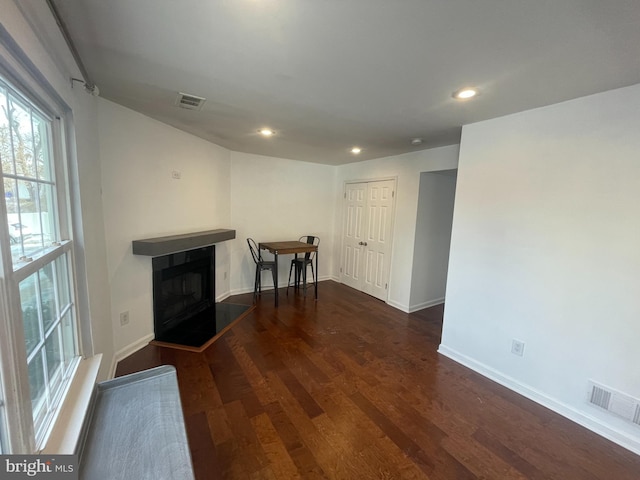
x,y
66,429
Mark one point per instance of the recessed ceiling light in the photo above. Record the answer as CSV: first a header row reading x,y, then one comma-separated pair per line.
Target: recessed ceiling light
x,y
356,150
266,132
416,141
465,93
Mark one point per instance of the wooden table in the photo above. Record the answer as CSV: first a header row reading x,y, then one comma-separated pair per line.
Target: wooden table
x,y
289,248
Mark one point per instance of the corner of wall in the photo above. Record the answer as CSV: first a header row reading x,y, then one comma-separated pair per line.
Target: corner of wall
x,y
400,306
126,351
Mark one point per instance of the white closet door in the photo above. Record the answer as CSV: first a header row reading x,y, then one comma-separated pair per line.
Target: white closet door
x,y
368,221
353,233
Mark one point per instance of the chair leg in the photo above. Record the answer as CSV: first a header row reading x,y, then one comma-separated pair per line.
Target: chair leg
x,y
298,275
304,278
255,283
289,281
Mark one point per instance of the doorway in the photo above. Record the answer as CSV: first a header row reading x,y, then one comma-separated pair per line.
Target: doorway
x,y
368,216
432,238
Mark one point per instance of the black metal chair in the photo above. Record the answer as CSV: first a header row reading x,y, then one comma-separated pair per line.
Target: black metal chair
x,y
261,265
300,264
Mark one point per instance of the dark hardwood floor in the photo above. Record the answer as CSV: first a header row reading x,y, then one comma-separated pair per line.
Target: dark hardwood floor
x,y
350,388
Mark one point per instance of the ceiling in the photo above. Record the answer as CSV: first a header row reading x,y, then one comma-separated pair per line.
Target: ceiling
x,y
328,75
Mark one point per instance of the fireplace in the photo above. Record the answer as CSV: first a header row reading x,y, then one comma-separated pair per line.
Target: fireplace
x,y
183,289
185,313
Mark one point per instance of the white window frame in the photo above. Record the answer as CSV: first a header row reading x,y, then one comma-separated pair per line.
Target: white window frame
x,y
17,432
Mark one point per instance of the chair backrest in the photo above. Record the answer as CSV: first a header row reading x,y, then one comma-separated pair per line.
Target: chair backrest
x,y
255,251
312,240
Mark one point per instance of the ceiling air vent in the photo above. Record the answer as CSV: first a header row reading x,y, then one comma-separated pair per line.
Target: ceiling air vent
x,y
188,101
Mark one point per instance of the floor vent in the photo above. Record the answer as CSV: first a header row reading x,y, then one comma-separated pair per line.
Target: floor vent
x,y
191,102
600,397
616,402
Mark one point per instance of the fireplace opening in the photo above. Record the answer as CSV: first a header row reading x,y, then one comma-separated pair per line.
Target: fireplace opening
x,y
183,286
184,307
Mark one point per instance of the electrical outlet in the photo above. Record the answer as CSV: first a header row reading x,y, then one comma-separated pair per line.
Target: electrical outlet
x,y
176,174
517,347
124,318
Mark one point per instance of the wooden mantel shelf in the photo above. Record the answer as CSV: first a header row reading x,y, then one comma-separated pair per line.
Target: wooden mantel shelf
x,y
154,247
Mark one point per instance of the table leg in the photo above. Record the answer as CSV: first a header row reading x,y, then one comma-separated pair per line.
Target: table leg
x,y
316,276
275,287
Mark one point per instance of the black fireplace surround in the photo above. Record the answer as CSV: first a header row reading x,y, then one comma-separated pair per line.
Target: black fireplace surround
x,y
183,291
185,313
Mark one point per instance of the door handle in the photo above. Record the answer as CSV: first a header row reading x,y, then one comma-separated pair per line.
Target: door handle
x,y
362,243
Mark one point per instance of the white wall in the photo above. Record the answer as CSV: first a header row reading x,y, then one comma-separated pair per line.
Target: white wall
x,y
276,199
142,200
42,44
432,240
406,169
545,249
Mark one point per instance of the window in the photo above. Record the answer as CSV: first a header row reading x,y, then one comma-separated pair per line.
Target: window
x,y
25,150
37,263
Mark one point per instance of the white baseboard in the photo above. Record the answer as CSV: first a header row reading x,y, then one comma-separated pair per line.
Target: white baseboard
x,y
423,305
400,306
128,350
591,423
241,290
223,296
415,308
268,288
